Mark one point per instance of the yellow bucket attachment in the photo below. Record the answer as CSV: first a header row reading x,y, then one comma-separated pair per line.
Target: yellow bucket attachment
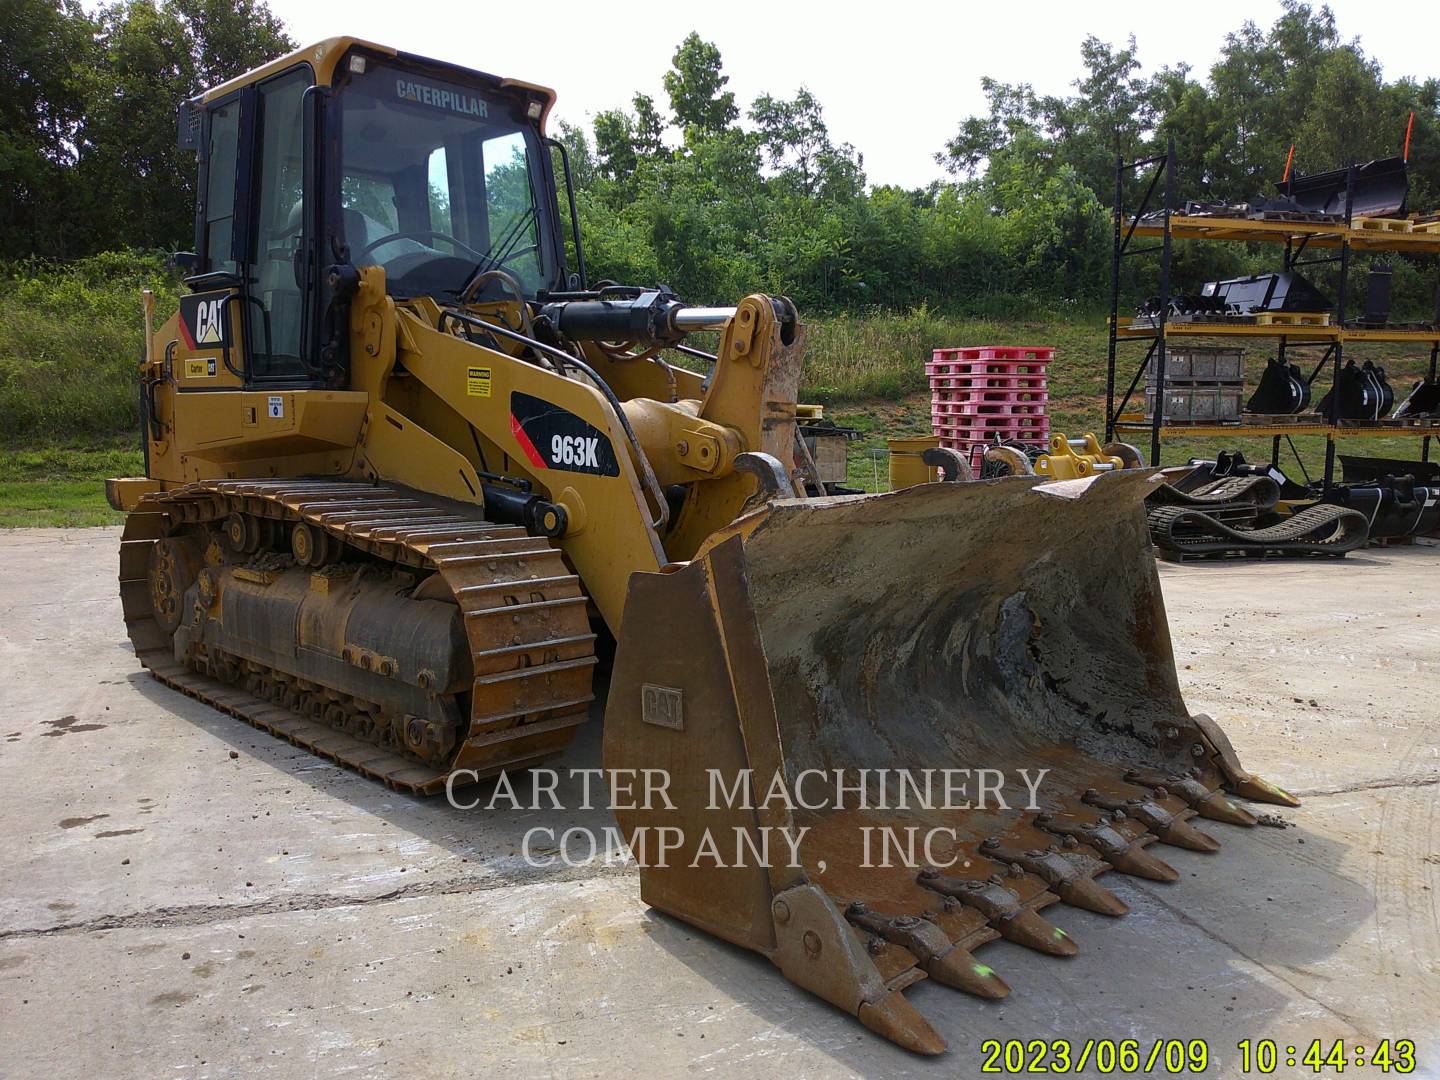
x,y
891,728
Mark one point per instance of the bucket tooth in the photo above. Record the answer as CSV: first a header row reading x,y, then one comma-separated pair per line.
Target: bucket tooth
x,y
938,957
1137,862
1237,779
818,949
1208,804
1217,807
959,970
894,1018
1029,928
1128,855
1169,828
1002,909
1070,875
1089,894
1259,789
1180,833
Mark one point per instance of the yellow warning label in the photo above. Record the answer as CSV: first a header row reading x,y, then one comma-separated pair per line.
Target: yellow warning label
x,y
200,369
477,381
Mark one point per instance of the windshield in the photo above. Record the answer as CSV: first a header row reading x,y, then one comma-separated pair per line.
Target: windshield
x,y
438,180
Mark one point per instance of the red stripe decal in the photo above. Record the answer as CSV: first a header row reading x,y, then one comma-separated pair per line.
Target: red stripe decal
x,y
526,444
185,333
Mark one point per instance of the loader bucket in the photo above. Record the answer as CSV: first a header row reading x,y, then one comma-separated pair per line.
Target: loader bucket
x,y
1382,188
845,659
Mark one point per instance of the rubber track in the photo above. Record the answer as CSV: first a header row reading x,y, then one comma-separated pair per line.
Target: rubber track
x,y
1255,492
525,615
1316,530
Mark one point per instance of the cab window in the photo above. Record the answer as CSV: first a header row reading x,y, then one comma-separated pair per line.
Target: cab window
x,y
274,315
439,180
220,186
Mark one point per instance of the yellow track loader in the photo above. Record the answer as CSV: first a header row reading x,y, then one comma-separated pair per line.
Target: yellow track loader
x,y
406,466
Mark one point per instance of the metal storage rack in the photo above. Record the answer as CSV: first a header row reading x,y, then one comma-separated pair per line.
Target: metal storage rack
x,y
1298,237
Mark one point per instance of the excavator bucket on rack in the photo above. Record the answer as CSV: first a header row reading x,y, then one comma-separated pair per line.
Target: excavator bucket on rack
x,y
959,704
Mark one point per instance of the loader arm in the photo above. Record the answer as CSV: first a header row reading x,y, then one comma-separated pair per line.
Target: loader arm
x,y
562,434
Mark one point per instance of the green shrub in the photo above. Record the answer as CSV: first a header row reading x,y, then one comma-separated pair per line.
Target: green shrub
x,y
70,340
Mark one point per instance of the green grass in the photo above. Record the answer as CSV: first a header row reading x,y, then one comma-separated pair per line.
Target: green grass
x,y
64,484
850,359
70,343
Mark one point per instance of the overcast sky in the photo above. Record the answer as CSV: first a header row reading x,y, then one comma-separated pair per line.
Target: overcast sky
x,y
895,77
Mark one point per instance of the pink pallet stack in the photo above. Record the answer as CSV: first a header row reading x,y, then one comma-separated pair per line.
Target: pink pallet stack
x,y
980,393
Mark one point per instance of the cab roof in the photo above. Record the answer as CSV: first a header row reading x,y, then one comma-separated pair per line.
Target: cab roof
x,y
324,57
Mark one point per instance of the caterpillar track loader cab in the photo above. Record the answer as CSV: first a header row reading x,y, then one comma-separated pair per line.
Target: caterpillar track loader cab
x,y
405,465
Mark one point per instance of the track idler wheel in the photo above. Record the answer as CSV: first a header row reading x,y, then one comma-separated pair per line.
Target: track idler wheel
x,y
243,533
312,547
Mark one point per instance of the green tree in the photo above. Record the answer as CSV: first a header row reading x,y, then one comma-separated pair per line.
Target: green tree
x,y
45,48
697,88
137,187
797,143
583,167
230,37
615,155
1012,110
1262,85
1348,117
649,127
1111,115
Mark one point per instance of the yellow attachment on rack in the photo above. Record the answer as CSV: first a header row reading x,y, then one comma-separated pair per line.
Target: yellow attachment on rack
x,y
1070,459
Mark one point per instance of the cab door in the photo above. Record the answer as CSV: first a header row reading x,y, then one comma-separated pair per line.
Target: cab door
x,y
279,285
257,237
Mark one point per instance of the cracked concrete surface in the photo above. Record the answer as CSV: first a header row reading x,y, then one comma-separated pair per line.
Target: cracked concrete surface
x,y
172,909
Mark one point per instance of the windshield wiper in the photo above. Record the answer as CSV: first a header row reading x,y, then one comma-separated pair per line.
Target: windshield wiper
x,y
507,245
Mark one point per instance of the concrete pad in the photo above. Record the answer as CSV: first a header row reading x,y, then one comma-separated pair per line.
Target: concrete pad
x,y
336,928
1328,668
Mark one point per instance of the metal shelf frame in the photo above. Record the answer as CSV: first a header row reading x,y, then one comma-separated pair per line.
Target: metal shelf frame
x,y
1339,238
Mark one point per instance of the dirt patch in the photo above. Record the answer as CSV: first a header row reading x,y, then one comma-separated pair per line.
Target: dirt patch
x,y
76,822
172,997
1274,821
67,725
